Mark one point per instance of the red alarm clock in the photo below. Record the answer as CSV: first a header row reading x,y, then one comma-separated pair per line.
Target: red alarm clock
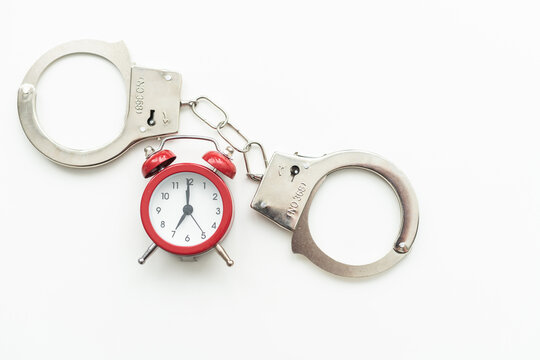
x,y
187,208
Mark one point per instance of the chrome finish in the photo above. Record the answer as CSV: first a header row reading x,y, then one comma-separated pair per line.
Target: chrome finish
x,y
193,106
221,132
220,126
255,177
147,253
230,151
149,91
221,251
148,151
290,183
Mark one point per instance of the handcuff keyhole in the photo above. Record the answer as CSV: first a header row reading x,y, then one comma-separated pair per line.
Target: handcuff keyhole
x,y
151,120
295,170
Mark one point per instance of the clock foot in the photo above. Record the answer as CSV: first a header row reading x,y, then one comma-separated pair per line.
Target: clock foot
x,y
147,253
221,251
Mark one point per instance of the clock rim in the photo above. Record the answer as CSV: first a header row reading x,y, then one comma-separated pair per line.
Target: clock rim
x,y
220,232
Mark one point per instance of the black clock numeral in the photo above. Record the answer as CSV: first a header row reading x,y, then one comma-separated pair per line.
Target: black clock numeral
x,y
162,224
203,235
175,185
173,233
214,197
218,211
165,196
204,184
187,238
214,225
189,181
158,209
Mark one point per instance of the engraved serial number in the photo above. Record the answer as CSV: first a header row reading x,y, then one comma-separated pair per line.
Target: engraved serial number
x,y
139,97
296,199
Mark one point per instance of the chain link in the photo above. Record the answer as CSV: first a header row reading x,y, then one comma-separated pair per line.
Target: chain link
x,y
221,128
243,149
193,106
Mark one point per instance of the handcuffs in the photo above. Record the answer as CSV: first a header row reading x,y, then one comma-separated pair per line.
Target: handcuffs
x,y
287,186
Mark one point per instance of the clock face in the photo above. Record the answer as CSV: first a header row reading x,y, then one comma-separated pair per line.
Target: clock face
x,y
186,212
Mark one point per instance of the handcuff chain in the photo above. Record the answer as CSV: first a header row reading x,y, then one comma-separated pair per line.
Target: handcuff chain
x,y
221,127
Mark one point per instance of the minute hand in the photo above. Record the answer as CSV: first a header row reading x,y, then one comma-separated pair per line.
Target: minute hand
x,y
187,192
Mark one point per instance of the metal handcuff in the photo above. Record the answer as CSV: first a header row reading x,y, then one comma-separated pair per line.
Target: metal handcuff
x,y
287,186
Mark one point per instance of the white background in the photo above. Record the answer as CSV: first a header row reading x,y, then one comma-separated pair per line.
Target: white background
x,y
447,90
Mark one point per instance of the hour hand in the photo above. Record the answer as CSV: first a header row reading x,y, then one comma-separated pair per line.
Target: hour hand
x,y
179,222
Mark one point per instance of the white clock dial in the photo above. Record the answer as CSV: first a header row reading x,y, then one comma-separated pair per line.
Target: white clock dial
x,y
185,209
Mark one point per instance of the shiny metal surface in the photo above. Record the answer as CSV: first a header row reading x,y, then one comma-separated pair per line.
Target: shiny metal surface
x,y
185,137
200,99
249,172
147,253
221,125
153,108
290,183
221,251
